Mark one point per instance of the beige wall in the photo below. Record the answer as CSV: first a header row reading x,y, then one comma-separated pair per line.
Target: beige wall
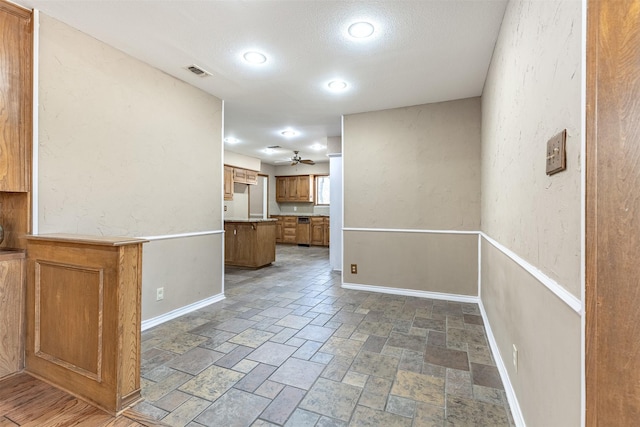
x,y
546,332
533,91
413,168
127,150
442,263
241,161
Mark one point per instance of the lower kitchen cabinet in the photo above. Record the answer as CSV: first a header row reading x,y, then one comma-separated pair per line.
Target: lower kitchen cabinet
x,y
279,229
289,229
249,243
315,233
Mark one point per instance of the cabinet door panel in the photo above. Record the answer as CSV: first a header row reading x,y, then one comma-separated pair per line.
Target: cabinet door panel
x,y
228,183
292,189
15,93
281,189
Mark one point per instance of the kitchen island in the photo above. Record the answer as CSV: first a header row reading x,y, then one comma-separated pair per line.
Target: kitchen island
x,y
249,242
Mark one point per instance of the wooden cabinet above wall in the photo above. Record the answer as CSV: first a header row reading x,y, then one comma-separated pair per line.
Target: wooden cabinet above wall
x,y
296,188
245,176
237,176
15,98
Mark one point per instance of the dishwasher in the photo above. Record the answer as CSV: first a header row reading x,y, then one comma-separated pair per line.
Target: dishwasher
x,y
303,231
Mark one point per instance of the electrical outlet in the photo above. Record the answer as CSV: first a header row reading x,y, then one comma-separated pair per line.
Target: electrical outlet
x,y
225,208
515,357
159,294
354,268
556,153
295,209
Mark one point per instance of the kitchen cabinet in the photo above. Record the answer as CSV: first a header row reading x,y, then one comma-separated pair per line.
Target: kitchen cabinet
x,y
317,231
237,176
279,224
228,183
327,231
249,243
320,231
11,312
296,188
289,229
83,316
245,176
16,94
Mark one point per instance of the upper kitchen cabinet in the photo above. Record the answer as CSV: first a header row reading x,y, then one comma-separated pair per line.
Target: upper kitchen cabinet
x,y
245,176
297,188
228,183
15,97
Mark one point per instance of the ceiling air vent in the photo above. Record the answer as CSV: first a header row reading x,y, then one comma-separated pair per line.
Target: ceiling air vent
x,y
198,71
274,147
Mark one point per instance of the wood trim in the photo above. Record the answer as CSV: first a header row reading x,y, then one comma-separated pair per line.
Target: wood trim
x,y
15,9
612,249
590,339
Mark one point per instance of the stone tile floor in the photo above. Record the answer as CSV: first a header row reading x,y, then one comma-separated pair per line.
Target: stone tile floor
x,y
290,347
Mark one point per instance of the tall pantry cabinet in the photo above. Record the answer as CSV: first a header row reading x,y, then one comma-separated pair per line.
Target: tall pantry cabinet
x,y
16,58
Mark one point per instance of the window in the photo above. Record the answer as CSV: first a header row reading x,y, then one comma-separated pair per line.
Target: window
x,y
322,190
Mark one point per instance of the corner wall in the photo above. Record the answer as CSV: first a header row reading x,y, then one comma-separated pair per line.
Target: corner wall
x,y
532,92
127,150
412,197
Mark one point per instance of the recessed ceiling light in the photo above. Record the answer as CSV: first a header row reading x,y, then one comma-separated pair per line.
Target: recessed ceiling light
x,y
268,150
289,133
253,57
337,85
231,140
317,146
361,30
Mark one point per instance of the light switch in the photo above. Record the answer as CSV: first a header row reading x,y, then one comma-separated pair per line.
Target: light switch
x,y
556,153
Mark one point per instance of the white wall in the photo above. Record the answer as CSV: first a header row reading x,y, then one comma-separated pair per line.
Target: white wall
x,y
127,150
335,209
532,92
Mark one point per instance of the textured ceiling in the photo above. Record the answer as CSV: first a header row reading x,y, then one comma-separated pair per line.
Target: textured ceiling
x,y
421,52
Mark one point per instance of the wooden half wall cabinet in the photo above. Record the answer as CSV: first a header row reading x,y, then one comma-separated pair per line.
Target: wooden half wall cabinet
x,y
233,175
83,316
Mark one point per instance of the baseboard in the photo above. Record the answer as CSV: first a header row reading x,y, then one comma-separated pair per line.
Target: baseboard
x,y
516,412
412,293
155,321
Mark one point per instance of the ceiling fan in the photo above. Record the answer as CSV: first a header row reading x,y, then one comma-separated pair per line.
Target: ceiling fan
x,y
297,159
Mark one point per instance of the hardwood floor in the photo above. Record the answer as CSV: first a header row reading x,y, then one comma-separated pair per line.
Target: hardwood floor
x,y
27,401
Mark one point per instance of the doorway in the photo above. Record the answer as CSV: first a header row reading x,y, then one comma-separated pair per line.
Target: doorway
x,y
259,198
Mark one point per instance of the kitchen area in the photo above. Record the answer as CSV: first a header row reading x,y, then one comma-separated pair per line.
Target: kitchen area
x,y
265,205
